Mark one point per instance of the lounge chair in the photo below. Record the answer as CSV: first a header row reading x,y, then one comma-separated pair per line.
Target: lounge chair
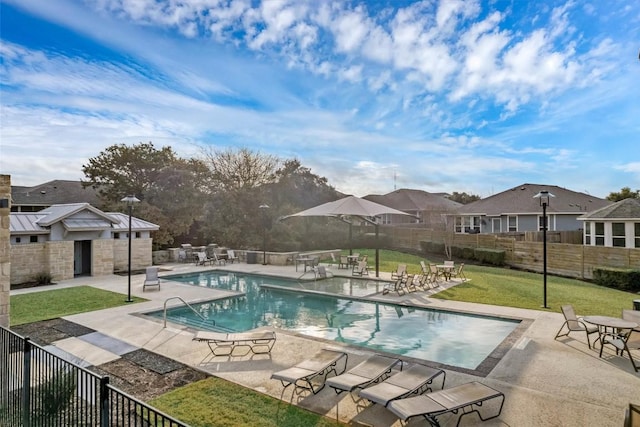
x,y
202,259
151,278
435,275
312,374
231,256
618,339
464,399
363,374
360,269
400,271
417,379
402,285
222,344
218,259
575,324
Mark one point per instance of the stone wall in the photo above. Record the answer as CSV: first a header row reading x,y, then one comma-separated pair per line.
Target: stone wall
x,y
140,254
27,261
5,250
102,254
59,260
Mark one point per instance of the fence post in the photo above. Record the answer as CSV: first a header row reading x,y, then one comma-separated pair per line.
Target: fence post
x,y
26,383
105,415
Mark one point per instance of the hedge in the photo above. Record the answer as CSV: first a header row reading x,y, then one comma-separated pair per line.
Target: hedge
x,y
622,279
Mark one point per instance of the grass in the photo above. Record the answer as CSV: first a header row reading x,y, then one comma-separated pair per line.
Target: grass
x,y
215,402
514,288
44,305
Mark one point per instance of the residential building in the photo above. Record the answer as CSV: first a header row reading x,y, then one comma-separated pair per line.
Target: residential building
x,y
616,225
518,210
38,197
428,208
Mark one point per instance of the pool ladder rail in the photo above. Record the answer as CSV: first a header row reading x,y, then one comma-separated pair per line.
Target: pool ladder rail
x,y
164,315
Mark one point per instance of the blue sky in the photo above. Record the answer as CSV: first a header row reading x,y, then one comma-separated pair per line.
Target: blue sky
x,y
443,95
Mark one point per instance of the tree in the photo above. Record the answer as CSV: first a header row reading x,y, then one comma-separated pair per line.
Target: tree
x,y
170,188
624,193
240,169
463,197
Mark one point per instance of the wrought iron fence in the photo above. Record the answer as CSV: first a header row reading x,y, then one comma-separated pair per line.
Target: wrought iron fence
x,y
41,389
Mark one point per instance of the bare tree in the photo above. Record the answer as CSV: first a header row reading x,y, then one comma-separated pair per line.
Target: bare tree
x,y
240,169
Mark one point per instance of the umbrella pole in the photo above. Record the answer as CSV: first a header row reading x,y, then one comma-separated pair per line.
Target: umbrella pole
x,y
350,238
377,254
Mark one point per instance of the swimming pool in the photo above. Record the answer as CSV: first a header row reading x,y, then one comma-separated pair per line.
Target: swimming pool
x,y
455,339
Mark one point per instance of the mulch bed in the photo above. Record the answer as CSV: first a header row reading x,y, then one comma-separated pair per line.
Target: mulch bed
x,y
140,373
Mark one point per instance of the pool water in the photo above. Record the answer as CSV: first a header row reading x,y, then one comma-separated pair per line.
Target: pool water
x,y
450,338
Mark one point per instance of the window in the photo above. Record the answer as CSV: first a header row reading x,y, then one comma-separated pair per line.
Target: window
x,y
541,223
458,224
513,223
599,233
138,235
18,239
587,233
33,239
617,233
116,235
637,234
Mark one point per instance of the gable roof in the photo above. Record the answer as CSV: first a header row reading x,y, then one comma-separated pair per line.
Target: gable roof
x,y
626,209
56,213
520,200
414,200
53,192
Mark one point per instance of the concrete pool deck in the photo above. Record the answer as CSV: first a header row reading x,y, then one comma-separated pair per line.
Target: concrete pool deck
x,y
546,382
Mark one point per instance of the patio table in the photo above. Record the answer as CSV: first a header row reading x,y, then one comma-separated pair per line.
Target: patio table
x,y
304,260
445,270
604,323
352,259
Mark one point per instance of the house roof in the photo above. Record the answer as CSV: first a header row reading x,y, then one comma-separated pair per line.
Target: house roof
x,y
520,200
40,222
414,200
626,209
53,192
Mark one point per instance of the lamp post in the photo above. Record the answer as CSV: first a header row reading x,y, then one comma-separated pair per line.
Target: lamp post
x,y
129,200
544,197
264,208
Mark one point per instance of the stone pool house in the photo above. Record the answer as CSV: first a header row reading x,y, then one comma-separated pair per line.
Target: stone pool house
x,y
66,240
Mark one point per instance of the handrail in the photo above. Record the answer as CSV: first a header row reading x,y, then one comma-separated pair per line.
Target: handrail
x,y
164,316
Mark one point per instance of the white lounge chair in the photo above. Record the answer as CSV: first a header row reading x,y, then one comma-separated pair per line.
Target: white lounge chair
x,y
151,279
223,344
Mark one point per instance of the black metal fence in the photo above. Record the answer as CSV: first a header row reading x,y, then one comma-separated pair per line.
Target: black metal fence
x,y
39,388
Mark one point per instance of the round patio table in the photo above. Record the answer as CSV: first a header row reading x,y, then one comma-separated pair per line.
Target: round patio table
x,y
605,322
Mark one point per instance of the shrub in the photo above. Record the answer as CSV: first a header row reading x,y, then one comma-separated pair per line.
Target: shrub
x,y
489,256
43,279
622,279
432,247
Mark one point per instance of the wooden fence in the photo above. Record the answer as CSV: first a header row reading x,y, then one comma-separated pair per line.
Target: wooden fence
x,y
525,250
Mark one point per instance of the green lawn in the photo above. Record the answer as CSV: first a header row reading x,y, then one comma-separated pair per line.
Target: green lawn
x,y
43,305
215,402
513,288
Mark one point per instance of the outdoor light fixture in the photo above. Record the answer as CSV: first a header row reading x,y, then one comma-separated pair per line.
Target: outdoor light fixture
x,y
544,197
130,200
264,208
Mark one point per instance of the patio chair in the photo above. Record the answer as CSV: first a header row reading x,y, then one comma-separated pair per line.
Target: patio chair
x,y
231,256
618,339
322,272
402,285
400,271
459,273
344,262
360,269
202,259
372,370
151,278
417,379
312,373
435,275
464,399
222,344
575,324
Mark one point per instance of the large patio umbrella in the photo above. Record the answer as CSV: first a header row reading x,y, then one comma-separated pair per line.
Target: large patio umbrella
x,y
352,206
